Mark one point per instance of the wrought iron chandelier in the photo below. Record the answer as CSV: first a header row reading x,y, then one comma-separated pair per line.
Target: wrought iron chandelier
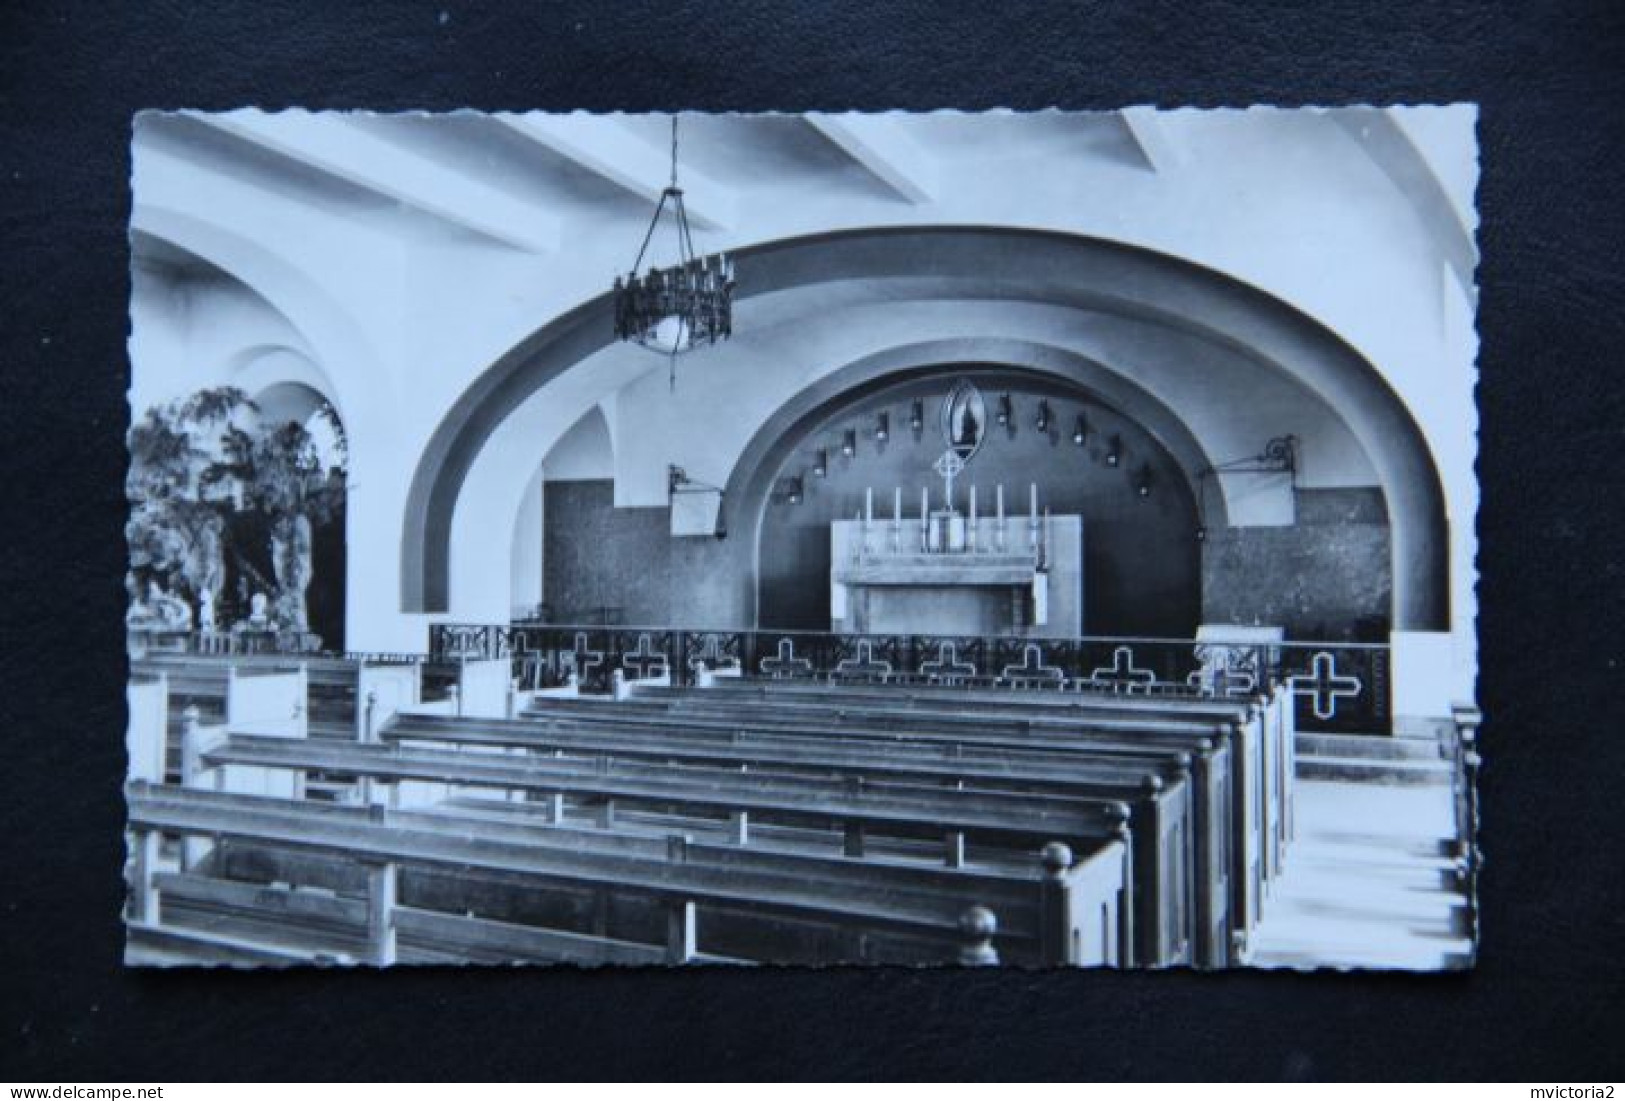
x,y
674,309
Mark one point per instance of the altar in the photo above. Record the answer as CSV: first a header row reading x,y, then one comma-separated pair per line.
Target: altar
x,y
944,572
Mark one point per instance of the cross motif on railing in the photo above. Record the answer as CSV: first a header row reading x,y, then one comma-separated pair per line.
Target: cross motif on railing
x,y
947,665
865,664
1122,672
709,656
1032,667
467,642
786,664
1324,686
585,660
645,662
1220,679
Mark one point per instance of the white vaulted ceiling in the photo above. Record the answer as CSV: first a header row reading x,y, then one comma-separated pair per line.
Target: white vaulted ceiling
x,y
407,255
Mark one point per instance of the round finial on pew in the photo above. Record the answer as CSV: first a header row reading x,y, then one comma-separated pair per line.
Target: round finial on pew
x,y
978,924
1152,783
1056,858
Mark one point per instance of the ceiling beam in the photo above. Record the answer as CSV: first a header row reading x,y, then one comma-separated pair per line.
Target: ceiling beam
x,y
609,150
882,148
1151,137
335,145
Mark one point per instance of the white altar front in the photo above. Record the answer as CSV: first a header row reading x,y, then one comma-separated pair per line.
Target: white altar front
x,y
943,572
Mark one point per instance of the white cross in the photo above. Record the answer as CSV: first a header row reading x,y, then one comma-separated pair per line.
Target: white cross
x,y
949,465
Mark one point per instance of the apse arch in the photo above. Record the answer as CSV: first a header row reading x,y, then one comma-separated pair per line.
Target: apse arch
x,y
999,262
750,485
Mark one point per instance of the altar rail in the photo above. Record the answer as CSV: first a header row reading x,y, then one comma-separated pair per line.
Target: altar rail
x,y
1338,686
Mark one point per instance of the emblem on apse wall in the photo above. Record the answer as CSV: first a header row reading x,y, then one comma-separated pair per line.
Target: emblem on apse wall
x,y
964,420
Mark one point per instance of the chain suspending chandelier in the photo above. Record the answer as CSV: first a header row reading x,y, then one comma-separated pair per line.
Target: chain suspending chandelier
x,y
672,310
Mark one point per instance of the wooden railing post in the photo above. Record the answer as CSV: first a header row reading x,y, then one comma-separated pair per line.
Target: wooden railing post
x,y
144,901
1125,908
382,892
1055,905
1469,860
978,925
682,932
191,745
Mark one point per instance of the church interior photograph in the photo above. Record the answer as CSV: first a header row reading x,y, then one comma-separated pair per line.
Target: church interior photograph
x,y
1034,539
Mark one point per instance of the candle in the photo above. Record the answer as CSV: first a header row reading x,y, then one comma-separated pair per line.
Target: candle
x,y
924,503
999,495
897,506
973,502
1033,510
869,505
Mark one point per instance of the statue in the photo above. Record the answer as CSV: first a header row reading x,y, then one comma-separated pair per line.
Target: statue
x,y
205,611
259,618
160,611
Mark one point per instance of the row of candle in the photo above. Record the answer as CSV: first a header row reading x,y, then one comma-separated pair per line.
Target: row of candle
x,y
925,504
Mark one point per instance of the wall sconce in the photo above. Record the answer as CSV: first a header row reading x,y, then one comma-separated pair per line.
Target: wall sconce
x,y
916,417
1004,410
1142,482
1042,424
1080,430
793,491
883,427
1114,451
849,442
821,463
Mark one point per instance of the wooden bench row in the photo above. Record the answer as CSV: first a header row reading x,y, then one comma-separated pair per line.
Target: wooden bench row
x,y
493,884
1254,736
1155,788
1189,878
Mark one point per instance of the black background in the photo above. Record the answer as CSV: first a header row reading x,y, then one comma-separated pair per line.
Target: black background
x,y
1543,1003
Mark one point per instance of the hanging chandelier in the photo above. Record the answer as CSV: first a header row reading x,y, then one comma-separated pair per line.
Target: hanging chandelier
x,y
674,309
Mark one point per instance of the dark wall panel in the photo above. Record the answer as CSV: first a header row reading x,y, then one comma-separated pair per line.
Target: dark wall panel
x,y
596,556
1328,576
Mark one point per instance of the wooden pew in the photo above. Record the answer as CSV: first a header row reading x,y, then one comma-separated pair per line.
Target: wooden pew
x,y
952,818
1265,725
215,692
1156,787
1270,713
419,872
1227,860
1262,738
1013,821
